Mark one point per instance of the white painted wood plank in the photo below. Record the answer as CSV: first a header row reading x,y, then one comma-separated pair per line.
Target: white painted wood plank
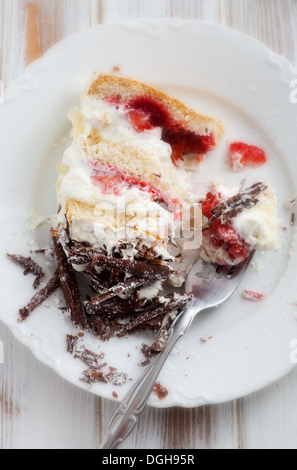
x,y
268,418
121,10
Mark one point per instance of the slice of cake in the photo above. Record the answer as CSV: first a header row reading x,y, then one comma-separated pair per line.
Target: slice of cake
x,y
123,195
120,182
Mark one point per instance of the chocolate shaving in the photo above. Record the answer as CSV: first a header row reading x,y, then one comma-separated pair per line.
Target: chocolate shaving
x,y
172,304
90,358
117,251
97,284
121,288
106,314
91,376
69,285
65,239
103,327
95,373
137,268
40,297
158,345
71,343
31,267
78,254
117,378
114,306
91,256
107,324
162,338
148,353
154,324
237,204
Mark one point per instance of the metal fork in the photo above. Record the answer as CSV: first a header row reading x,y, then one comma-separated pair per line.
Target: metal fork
x,y
211,285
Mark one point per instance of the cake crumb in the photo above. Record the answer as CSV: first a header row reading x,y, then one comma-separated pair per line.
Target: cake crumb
x,y
253,296
160,391
205,340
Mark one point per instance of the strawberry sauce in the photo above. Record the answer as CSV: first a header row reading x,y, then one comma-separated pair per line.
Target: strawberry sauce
x,y
113,180
223,236
145,113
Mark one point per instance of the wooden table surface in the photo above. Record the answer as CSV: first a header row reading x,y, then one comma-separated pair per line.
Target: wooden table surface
x,y
40,409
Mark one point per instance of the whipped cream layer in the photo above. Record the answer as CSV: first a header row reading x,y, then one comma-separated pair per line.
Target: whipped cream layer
x,y
259,226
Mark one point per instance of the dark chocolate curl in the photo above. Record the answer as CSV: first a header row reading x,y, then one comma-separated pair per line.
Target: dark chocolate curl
x,y
137,268
69,285
238,203
40,297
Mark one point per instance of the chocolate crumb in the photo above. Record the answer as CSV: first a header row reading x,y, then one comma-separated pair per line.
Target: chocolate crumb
x,y
115,395
93,375
205,340
117,378
95,372
160,391
89,357
71,343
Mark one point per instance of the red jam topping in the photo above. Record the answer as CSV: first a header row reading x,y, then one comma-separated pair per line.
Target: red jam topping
x,y
112,180
212,200
223,236
139,120
146,113
243,155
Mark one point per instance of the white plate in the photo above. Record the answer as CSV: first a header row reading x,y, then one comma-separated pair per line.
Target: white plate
x,y
217,71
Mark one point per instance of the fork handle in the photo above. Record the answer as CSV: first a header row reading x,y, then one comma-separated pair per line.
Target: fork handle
x,y
125,417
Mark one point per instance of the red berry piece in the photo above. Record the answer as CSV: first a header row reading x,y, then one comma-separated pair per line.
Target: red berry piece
x,y
244,155
253,296
139,120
